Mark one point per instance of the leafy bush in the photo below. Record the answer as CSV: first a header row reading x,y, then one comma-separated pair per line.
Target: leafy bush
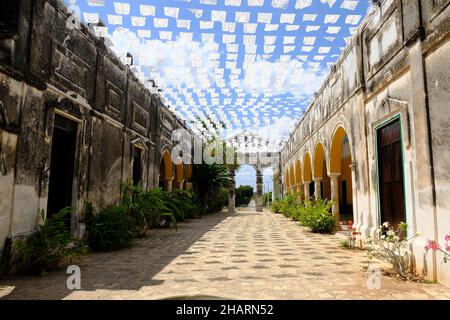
x,y
110,229
148,208
49,246
316,215
289,205
218,200
312,214
244,195
208,180
276,206
181,203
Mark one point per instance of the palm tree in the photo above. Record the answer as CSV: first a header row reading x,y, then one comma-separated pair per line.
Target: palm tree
x,y
208,179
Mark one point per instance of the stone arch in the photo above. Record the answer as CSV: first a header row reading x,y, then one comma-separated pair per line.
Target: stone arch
x,y
286,180
292,177
166,171
340,173
321,179
298,172
319,157
178,180
340,123
307,176
307,172
337,141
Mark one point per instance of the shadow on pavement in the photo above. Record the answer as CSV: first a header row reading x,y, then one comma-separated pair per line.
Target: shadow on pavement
x,y
127,269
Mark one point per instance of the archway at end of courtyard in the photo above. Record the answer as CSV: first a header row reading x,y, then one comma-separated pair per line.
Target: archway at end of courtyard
x,y
261,179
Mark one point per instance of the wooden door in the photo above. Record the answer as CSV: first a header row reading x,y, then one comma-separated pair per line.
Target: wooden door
x,y
390,173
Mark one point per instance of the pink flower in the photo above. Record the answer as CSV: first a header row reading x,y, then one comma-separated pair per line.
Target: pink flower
x,y
433,245
447,237
447,247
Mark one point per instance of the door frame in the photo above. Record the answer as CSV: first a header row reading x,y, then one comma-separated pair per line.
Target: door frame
x,y
391,119
76,164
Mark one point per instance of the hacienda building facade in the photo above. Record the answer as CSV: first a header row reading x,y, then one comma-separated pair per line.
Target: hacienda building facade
x,y
376,137
75,122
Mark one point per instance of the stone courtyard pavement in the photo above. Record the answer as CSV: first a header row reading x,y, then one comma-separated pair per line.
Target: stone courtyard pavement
x,y
242,256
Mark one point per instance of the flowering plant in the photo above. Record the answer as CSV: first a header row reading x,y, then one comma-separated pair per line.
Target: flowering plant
x,y
352,234
445,249
390,245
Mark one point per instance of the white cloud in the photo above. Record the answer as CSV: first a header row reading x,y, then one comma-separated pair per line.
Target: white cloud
x,y
267,77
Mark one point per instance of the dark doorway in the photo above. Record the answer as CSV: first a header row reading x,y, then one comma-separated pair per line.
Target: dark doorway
x,y
62,165
312,189
390,173
137,166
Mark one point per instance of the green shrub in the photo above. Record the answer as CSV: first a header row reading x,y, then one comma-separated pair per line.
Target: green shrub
x,y
110,229
289,203
312,214
148,208
51,245
208,180
218,200
244,195
316,215
276,206
181,203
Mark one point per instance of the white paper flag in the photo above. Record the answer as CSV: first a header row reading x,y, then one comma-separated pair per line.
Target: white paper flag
x,y
250,27
218,15
147,10
280,4
138,21
264,17
271,27
115,19
243,17
161,22
287,18
235,3
255,3
91,17
122,8
206,25
301,4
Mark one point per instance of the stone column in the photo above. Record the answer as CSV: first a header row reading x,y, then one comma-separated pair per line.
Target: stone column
x,y
318,188
169,184
232,193
259,191
334,177
306,184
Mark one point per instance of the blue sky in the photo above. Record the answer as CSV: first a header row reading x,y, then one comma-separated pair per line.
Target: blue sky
x,y
250,64
246,175
242,66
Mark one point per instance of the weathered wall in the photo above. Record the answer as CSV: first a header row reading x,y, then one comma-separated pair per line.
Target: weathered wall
x,y
396,65
48,67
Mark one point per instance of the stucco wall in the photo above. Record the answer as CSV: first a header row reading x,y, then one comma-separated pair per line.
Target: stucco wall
x,y
396,65
49,67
